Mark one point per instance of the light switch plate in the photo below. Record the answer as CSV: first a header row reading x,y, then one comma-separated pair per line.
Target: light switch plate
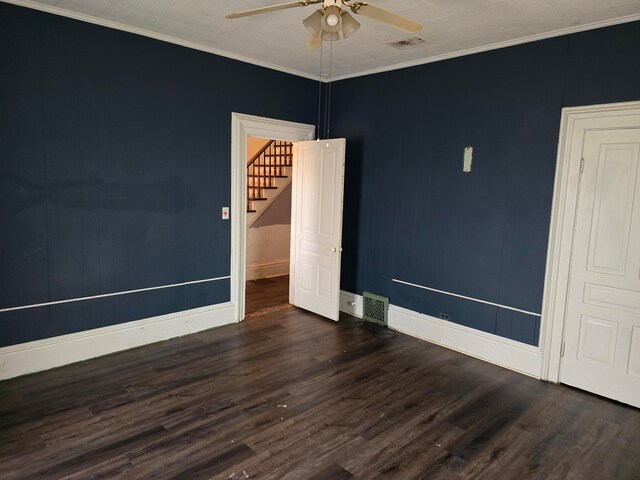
x,y
225,213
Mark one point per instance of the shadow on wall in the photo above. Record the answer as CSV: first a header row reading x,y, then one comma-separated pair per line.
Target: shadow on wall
x,y
269,239
278,213
351,213
165,196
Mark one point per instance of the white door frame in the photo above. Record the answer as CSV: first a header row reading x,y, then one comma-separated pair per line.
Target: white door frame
x,y
575,121
242,127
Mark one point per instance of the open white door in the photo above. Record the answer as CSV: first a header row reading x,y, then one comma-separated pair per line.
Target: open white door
x,y
602,331
316,223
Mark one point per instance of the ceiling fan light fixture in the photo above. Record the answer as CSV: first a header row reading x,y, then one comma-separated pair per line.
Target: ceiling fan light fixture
x,y
313,42
313,22
349,24
330,36
332,20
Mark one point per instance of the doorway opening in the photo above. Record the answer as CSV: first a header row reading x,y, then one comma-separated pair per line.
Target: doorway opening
x,y
242,127
268,234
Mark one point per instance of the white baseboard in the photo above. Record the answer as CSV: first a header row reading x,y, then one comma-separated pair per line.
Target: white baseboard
x,y
275,268
351,303
54,352
506,353
501,351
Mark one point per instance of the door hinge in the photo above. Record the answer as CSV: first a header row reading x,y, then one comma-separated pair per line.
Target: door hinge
x,y
562,350
582,165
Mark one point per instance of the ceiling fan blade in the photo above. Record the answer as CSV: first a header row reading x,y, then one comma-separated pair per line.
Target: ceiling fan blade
x,y
273,8
314,42
382,15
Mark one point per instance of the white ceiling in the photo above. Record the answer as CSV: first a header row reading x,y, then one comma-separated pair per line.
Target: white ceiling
x,y
277,39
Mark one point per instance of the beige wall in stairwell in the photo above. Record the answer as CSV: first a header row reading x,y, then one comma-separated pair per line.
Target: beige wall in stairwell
x,y
268,244
268,251
254,145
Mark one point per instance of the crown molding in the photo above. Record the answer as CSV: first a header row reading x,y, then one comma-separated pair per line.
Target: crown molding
x,y
495,46
155,35
397,66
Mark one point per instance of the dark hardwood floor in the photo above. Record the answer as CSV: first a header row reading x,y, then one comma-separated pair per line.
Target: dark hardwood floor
x,y
266,293
290,395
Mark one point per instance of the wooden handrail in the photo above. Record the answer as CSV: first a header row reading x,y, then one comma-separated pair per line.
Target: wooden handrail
x,y
260,152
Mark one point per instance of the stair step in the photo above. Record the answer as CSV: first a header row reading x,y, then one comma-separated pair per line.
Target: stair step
x,y
269,176
267,166
270,165
285,163
274,161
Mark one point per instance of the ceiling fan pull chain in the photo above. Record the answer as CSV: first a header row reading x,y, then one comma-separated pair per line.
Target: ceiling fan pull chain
x,y
319,91
329,88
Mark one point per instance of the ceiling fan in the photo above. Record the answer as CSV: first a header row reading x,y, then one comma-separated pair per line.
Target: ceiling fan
x,y
331,20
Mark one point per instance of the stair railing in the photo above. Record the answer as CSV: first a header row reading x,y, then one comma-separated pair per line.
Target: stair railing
x,y
264,167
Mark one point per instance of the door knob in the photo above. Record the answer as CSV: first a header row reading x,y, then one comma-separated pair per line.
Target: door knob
x,y
333,249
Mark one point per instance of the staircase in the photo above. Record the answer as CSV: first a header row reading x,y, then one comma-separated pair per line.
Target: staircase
x,y
268,172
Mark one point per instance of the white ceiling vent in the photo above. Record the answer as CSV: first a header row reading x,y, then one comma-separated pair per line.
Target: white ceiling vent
x,y
407,42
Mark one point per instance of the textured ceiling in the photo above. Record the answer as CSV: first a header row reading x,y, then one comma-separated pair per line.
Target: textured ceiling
x,y
277,39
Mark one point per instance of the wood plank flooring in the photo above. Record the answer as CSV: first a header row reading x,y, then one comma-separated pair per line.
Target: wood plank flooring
x,y
266,293
289,395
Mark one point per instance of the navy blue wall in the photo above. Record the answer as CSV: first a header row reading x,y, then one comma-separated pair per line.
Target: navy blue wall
x,y
410,211
114,165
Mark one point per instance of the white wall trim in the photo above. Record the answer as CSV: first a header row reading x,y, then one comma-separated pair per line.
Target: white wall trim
x,y
274,268
485,302
157,36
351,303
574,123
54,352
504,352
493,46
204,48
243,126
113,294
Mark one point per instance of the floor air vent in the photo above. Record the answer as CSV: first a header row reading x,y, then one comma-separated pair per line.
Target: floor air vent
x,y
375,308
